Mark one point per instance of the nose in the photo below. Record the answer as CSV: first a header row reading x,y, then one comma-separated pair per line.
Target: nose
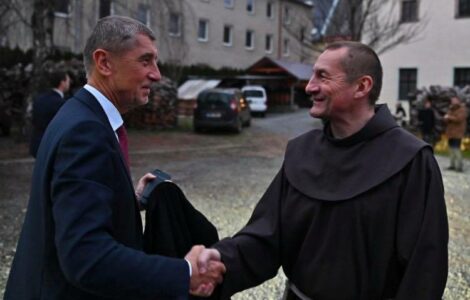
x,y
312,86
155,74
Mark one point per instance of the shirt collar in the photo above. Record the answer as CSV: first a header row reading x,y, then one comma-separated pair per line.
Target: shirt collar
x,y
58,92
110,110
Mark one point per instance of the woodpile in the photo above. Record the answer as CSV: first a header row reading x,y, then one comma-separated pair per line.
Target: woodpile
x,y
159,112
440,99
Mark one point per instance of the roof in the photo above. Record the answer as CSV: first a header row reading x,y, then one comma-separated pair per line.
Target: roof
x,y
191,88
271,66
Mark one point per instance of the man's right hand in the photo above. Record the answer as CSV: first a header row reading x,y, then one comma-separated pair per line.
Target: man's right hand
x,y
203,281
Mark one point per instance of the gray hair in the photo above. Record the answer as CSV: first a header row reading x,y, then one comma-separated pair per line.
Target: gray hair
x,y
115,34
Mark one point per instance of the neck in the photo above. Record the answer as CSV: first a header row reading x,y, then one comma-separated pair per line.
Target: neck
x,y
344,127
106,91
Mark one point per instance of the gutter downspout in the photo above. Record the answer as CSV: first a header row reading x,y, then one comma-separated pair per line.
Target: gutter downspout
x,y
279,40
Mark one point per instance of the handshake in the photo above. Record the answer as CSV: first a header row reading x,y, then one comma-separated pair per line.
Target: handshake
x,y
207,270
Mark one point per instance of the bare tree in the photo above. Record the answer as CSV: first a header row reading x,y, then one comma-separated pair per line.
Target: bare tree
x,y
376,23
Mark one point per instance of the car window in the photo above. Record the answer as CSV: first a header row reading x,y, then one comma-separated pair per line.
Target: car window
x,y
253,93
214,98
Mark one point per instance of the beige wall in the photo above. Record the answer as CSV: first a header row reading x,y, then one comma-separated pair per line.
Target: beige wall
x,y
442,46
71,30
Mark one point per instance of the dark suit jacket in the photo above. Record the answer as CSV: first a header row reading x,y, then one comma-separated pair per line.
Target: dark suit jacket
x,y
45,107
82,235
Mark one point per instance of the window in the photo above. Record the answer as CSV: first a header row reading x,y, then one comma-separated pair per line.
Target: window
x,y
61,8
409,11
228,3
106,8
250,39
250,6
269,43
269,10
227,35
174,28
286,47
463,8
461,77
143,14
407,83
203,31
286,17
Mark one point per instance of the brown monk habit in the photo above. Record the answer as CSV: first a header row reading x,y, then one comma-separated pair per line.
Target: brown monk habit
x,y
358,218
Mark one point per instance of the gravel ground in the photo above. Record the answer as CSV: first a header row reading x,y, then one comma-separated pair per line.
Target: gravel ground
x,y
224,175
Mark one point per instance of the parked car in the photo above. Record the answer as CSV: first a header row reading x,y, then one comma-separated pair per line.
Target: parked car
x,y
221,108
257,98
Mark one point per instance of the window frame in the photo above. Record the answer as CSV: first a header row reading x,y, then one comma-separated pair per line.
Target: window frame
x,y
178,24
464,78
62,14
206,31
269,37
101,9
252,39
458,8
253,5
146,10
270,10
286,18
285,47
229,3
230,31
404,82
407,17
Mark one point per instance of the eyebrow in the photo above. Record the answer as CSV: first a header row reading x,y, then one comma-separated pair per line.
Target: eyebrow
x,y
146,56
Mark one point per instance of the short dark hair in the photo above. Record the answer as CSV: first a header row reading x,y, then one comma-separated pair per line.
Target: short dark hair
x,y
361,60
115,34
56,77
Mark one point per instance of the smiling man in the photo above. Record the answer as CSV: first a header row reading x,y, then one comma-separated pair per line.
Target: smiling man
x,y
357,209
82,235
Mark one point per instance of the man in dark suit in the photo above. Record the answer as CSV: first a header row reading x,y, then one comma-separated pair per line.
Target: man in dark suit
x,y
46,105
82,235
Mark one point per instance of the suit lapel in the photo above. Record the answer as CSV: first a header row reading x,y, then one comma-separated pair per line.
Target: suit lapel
x,y
89,100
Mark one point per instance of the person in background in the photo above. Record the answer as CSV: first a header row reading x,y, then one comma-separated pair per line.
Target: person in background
x,y
456,125
82,234
400,114
357,209
45,107
427,122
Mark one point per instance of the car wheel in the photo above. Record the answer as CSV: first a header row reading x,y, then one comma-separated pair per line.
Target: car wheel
x,y
238,126
263,114
197,128
248,122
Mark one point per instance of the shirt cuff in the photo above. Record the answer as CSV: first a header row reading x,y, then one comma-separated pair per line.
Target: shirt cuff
x,y
190,268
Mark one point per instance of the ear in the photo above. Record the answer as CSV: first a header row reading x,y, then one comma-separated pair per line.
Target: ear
x,y
364,86
102,62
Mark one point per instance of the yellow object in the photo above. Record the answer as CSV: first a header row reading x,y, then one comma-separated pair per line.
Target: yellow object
x,y
443,146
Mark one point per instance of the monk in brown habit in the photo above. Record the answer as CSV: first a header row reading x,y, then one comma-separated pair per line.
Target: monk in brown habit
x,y
357,209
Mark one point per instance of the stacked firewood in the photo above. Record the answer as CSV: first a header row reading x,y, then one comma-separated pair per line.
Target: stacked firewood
x,y
160,111
440,99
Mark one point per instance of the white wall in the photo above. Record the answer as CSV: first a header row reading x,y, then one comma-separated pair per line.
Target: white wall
x,y
444,45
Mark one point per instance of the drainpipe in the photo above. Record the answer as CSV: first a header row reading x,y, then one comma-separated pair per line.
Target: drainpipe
x,y
279,29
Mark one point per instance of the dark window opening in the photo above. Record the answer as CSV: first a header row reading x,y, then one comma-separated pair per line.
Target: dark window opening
x,y
407,83
409,11
461,77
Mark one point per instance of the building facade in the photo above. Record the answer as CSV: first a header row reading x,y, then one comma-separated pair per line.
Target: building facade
x,y
218,33
440,55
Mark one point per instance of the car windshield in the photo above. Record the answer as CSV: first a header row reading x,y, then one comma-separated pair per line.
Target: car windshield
x,y
253,93
214,99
